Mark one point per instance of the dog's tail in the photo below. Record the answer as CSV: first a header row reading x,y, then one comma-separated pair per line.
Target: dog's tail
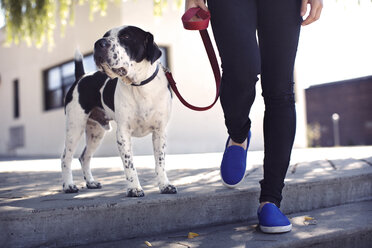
x,y
79,67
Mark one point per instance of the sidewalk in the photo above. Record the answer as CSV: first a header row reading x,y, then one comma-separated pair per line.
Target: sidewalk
x,y
34,212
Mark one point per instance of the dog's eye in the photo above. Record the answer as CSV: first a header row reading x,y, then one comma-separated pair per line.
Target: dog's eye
x,y
124,37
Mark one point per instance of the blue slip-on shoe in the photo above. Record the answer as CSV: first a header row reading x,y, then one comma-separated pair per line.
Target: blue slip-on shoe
x,y
272,220
233,164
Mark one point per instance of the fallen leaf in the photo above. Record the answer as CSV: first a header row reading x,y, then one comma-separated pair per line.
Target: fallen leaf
x,y
309,220
192,235
148,243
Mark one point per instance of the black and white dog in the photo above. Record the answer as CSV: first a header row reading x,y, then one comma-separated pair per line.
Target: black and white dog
x,y
131,88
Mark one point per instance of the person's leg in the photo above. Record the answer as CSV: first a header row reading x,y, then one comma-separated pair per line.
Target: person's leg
x,y
279,25
234,29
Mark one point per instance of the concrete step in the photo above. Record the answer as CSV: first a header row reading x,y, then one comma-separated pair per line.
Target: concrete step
x,y
348,225
34,212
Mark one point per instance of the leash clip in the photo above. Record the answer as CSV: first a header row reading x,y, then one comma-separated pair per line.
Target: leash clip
x,y
165,69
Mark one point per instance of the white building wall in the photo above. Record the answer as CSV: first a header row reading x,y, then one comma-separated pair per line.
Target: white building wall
x,y
188,132
44,130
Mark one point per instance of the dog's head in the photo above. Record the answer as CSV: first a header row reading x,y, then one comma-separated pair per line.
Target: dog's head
x,y
124,51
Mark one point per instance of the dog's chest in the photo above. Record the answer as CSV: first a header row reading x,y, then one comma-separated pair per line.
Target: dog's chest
x,y
142,110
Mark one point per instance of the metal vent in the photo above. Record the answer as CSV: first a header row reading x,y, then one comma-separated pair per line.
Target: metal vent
x,y
17,137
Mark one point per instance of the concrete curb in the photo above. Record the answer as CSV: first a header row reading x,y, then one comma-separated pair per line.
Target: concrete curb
x,y
347,225
138,217
35,213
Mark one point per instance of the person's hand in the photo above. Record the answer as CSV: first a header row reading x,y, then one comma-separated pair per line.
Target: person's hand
x,y
193,4
315,10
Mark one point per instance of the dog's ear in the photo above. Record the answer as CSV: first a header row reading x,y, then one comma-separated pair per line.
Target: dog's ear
x,y
152,50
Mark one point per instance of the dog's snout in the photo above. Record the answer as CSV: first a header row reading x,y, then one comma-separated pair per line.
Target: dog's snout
x,y
102,44
100,51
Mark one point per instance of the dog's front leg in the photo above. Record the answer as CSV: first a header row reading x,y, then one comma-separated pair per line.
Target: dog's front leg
x,y
125,150
159,144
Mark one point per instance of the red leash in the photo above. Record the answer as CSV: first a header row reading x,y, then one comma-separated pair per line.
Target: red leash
x,y
202,27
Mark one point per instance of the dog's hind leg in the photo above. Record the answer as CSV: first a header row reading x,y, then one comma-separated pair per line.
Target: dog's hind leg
x,y
94,134
74,130
159,144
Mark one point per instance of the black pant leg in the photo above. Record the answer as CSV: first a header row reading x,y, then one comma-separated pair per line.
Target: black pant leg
x,y
234,28
279,25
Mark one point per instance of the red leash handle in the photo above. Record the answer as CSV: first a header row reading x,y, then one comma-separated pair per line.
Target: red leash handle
x,y
205,16
201,25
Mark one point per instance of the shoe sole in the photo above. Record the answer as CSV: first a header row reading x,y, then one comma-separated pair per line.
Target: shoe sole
x,y
231,186
276,229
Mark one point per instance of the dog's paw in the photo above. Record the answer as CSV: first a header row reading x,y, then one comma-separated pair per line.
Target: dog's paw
x,y
71,188
135,193
169,189
94,185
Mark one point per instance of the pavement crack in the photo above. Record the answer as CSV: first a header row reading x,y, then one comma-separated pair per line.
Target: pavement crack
x,y
251,172
294,168
11,197
332,164
185,245
366,161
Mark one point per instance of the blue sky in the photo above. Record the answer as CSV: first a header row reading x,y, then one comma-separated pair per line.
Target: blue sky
x,y
338,46
1,17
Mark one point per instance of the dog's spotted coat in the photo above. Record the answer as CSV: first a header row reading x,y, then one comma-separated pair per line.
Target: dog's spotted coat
x,y
127,56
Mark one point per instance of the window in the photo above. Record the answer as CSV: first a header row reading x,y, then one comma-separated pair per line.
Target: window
x,y
58,80
164,56
16,99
